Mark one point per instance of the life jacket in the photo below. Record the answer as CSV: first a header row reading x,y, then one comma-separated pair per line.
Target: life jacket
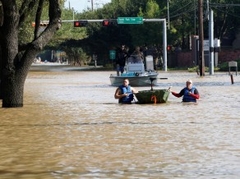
x,y
187,97
126,99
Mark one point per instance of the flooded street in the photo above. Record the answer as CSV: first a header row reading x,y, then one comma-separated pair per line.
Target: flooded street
x,y
71,127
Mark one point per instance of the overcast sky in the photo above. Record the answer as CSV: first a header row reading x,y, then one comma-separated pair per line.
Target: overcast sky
x,y
81,5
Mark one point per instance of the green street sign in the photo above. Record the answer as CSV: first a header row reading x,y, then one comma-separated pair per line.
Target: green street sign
x,y
112,54
130,20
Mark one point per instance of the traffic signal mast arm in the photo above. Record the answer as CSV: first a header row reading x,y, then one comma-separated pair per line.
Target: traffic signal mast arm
x,y
136,21
83,23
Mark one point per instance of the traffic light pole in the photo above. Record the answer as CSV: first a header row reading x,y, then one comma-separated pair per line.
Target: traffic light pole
x,y
164,39
144,20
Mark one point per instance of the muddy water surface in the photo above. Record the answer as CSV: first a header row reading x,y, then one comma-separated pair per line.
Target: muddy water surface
x,y
71,127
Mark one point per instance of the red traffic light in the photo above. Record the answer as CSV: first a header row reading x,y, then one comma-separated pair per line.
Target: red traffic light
x,y
169,48
76,24
80,23
107,22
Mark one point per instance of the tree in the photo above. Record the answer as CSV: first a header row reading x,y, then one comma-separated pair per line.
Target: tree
x,y
226,19
16,58
149,33
76,55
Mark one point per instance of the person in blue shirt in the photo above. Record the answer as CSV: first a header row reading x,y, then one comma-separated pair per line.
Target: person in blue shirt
x,y
124,93
189,93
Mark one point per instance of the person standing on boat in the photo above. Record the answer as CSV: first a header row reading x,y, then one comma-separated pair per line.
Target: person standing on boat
x,y
137,55
121,58
124,93
189,93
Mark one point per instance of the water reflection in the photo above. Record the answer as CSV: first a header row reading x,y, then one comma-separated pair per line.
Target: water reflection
x,y
72,127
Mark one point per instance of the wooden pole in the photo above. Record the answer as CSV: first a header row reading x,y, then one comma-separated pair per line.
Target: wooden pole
x,y
201,37
232,79
92,4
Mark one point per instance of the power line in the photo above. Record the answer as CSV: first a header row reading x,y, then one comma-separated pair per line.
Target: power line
x,y
234,15
179,14
223,5
180,9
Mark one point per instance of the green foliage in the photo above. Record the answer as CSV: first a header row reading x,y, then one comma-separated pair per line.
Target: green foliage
x,y
206,69
76,56
224,66
26,32
221,67
149,33
196,69
183,16
226,16
152,9
67,30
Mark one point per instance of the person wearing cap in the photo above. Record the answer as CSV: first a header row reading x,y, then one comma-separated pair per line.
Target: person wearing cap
x,y
189,93
124,93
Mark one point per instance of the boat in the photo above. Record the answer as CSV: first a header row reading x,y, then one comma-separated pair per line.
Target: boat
x,y
137,75
152,96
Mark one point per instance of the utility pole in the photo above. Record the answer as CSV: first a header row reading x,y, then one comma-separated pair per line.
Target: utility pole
x,y
168,15
195,17
201,36
211,43
92,4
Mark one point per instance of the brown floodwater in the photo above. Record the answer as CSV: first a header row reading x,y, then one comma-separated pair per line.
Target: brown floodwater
x,y
71,127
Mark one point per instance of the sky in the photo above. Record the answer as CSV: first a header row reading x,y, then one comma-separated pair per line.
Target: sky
x,y
81,5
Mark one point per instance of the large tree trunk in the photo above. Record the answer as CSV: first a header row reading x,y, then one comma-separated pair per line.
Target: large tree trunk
x,y
1,96
12,92
9,47
13,80
15,62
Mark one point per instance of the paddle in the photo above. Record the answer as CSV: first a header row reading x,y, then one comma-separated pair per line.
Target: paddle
x,y
151,79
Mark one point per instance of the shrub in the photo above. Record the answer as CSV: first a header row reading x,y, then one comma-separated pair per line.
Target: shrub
x,y
224,66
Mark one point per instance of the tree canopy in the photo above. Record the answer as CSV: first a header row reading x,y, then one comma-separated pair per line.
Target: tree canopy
x,y
183,23
18,47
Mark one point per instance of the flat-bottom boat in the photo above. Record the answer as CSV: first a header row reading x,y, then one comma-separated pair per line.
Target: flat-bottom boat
x,y
141,80
136,74
152,96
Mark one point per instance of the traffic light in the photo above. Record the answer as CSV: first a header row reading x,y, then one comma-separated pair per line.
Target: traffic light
x,y
41,24
107,22
80,23
169,48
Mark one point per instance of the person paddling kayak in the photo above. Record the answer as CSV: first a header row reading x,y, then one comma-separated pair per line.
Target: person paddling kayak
x,y
189,93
